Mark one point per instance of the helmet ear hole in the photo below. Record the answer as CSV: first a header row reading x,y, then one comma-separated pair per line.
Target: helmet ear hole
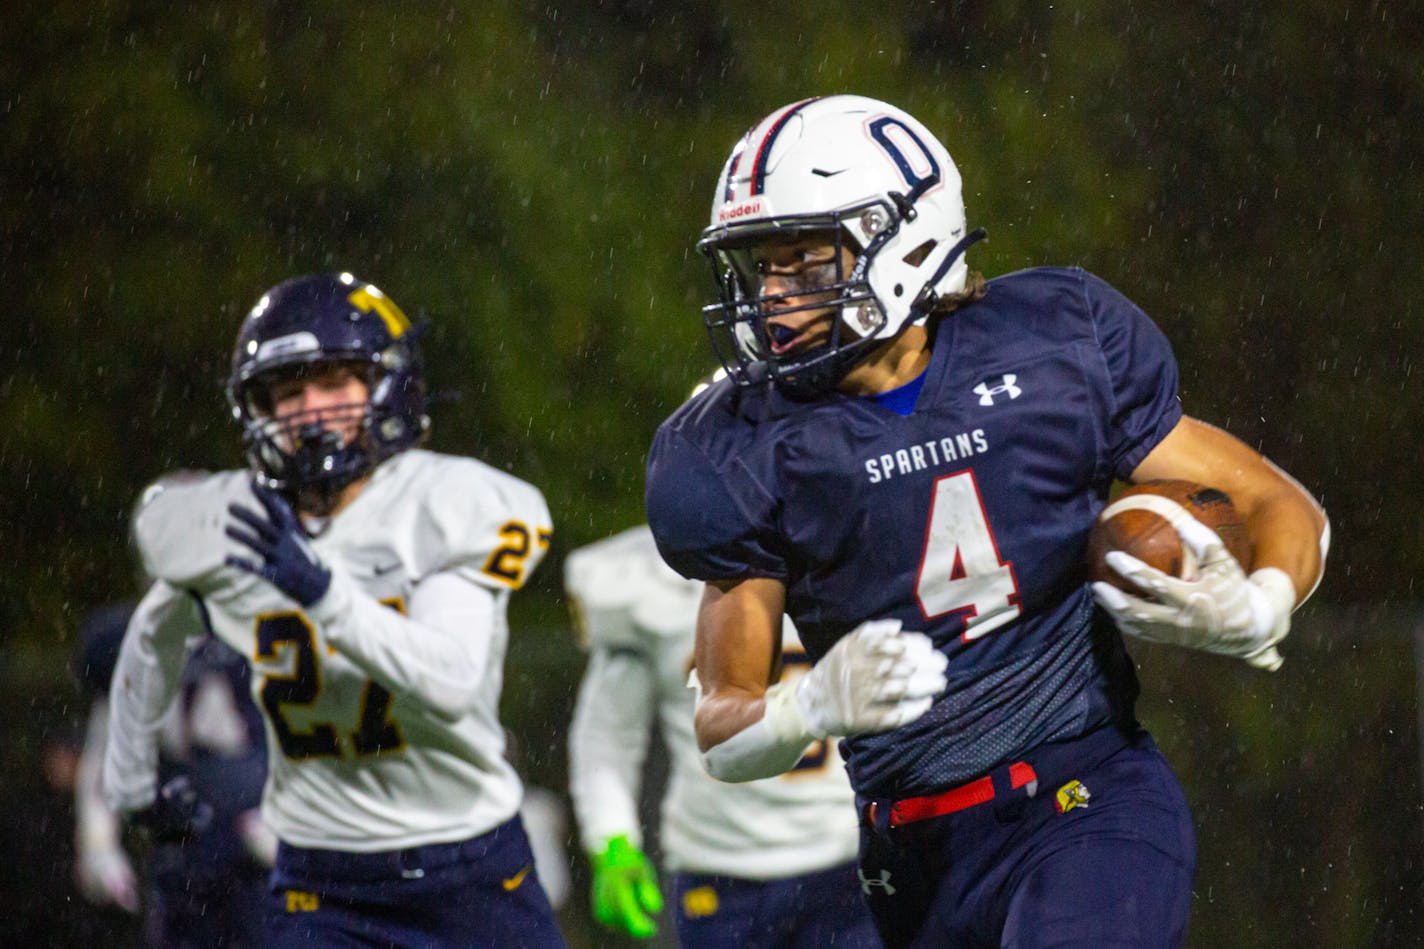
x,y
917,256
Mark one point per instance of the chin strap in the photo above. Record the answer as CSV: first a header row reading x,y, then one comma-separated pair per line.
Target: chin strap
x,y
926,300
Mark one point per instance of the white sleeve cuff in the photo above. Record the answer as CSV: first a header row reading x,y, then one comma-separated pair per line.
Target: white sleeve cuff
x,y
767,748
334,604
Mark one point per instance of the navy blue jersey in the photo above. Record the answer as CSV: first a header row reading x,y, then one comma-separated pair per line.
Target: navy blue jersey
x,y
101,633
966,519
223,746
219,741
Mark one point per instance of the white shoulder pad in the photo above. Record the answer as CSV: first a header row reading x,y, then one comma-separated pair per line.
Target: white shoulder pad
x,y
179,528
464,515
621,586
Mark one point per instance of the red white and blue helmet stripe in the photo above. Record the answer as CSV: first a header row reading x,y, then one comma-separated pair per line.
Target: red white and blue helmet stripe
x,y
773,124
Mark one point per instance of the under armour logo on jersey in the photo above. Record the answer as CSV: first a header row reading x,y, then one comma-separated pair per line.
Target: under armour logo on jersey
x,y
866,883
1004,386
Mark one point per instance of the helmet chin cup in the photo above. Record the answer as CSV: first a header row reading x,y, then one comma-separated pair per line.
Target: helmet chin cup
x,y
323,455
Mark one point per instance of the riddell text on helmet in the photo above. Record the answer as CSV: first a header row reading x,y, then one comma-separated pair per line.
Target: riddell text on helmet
x,y
741,210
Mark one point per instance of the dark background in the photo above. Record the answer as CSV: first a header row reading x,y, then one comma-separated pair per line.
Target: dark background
x,y
530,176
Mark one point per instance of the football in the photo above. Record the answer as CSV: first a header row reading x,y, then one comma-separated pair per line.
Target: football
x,y
1139,521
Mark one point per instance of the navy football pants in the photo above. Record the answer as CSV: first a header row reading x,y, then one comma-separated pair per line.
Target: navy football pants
x,y
812,911
1039,867
481,892
191,905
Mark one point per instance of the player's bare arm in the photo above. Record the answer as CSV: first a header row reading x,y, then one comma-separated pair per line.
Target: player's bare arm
x,y
738,639
1285,522
875,678
1222,608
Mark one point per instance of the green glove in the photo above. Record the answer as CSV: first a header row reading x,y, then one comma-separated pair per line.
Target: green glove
x,y
625,889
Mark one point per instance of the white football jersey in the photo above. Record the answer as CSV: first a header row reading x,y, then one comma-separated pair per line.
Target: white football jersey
x,y
381,701
640,618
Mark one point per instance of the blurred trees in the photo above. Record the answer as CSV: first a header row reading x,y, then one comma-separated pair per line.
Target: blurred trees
x,y
531,178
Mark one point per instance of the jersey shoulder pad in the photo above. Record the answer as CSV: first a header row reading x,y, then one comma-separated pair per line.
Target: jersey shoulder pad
x,y
1049,296
179,527
620,591
1135,371
1046,305
468,516
709,498
1034,281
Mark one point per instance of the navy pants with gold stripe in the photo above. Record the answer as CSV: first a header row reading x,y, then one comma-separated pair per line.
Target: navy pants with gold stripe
x,y
474,893
812,911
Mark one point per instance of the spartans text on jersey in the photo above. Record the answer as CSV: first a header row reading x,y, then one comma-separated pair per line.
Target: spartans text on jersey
x,y
930,454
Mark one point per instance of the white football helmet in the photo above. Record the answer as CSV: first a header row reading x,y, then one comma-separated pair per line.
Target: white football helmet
x,y
870,177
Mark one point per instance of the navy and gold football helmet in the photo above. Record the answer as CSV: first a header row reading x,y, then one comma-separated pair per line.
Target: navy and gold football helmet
x,y
310,323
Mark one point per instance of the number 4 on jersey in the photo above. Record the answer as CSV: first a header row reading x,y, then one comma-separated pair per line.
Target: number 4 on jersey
x,y
960,568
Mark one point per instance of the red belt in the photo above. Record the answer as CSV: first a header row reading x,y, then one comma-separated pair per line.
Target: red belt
x,y
978,791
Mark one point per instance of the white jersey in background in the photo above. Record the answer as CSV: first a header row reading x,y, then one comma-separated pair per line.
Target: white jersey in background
x,y
639,617
381,701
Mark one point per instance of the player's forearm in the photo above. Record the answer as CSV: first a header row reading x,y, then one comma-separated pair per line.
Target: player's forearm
x,y
721,715
1290,532
745,730
96,827
1288,528
744,737
438,655
146,678
738,642
603,806
608,741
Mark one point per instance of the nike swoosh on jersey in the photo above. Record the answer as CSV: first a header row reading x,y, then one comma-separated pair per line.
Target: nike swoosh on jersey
x,y
513,882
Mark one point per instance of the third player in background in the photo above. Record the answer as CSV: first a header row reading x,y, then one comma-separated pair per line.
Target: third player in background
x,y
764,863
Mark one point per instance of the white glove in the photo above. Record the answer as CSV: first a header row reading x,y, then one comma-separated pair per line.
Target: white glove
x,y
875,678
106,877
1220,610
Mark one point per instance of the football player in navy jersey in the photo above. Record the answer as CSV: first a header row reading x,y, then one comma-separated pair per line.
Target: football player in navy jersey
x,y
204,885
907,460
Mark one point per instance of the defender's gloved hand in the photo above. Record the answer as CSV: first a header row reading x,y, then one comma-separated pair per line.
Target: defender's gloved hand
x,y
288,561
875,678
1221,610
177,814
625,889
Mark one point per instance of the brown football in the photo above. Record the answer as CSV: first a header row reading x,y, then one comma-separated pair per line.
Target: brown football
x,y
1136,522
